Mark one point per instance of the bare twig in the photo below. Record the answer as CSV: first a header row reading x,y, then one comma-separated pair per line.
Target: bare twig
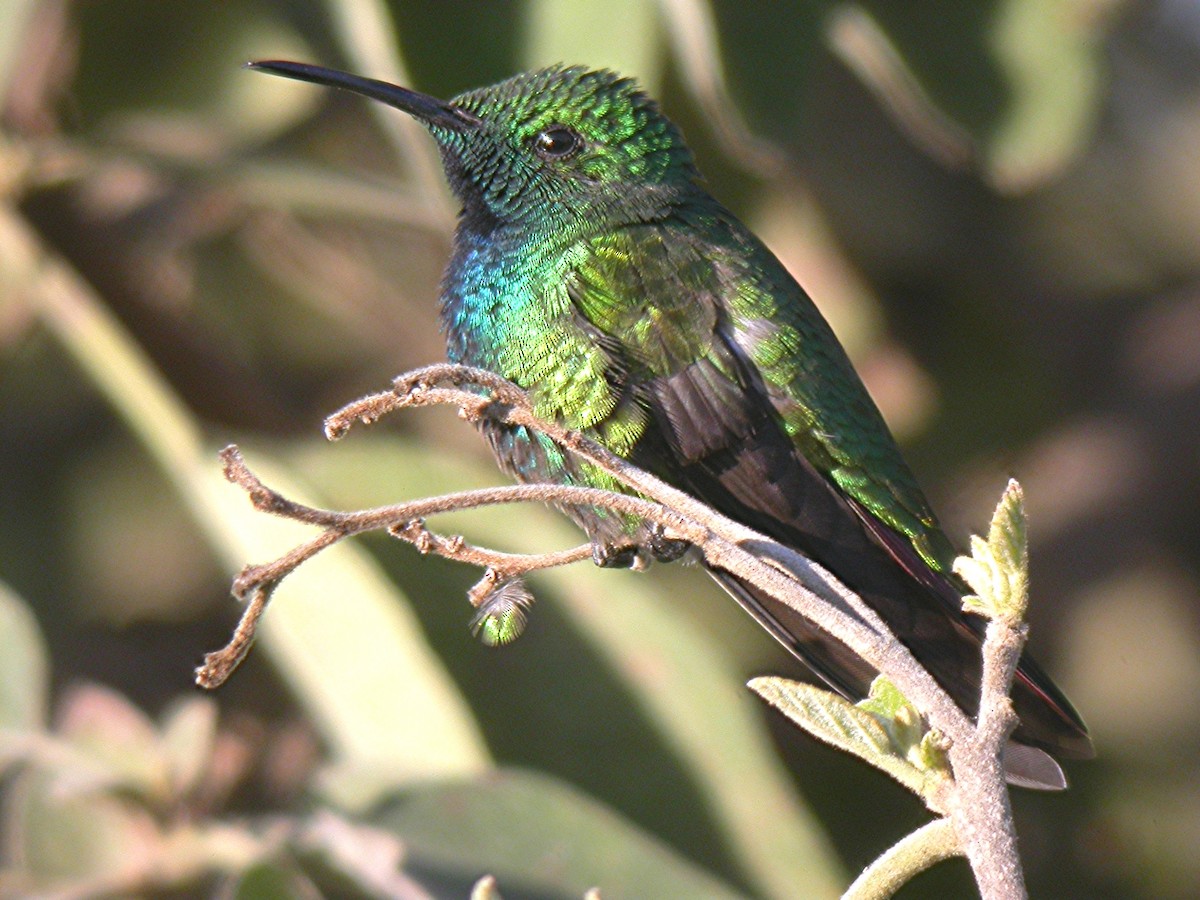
x,y
979,808
417,533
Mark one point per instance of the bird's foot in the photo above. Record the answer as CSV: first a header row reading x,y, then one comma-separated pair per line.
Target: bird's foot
x,y
611,555
666,549
624,554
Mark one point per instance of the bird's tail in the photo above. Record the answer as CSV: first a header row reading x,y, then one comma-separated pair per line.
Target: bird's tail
x,y
1026,763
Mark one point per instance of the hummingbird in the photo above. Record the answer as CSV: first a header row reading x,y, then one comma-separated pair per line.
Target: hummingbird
x,y
592,268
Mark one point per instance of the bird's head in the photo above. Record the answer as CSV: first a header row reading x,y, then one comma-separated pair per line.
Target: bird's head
x,y
555,148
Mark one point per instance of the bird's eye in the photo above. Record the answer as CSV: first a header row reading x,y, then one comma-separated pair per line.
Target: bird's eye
x,y
556,142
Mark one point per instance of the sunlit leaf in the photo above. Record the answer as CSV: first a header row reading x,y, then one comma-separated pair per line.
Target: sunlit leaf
x,y
23,665
838,722
892,710
998,569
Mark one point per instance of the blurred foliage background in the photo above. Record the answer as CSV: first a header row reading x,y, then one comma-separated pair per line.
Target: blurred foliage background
x,y
996,203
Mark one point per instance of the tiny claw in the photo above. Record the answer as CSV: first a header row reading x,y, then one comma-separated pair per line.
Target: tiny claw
x,y
615,556
666,549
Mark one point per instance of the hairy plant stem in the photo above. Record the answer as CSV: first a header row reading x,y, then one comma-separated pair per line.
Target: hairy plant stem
x,y
976,801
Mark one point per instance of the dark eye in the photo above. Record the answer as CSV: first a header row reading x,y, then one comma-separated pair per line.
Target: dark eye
x,y
556,142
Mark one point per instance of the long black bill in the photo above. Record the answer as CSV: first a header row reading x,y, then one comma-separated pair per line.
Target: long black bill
x,y
428,109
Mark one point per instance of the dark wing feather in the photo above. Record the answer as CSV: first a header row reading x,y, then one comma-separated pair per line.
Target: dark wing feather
x,y
718,429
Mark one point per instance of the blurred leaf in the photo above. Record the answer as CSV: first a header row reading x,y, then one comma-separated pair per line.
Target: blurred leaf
x,y
692,28
622,35
106,727
205,87
539,838
189,733
366,32
838,722
90,838
1023,76
680,680
341,633
1054,62
369,858
271,881
23,665
15,15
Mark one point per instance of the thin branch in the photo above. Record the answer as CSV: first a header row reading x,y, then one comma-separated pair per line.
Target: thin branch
x,y
417,533
789,577
928,845
256,584
979,806
691,27
865,48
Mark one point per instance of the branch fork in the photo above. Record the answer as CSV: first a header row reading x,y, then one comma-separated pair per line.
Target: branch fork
x,y
971,792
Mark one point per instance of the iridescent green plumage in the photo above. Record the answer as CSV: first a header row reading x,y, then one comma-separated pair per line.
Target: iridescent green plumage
x,y
591,268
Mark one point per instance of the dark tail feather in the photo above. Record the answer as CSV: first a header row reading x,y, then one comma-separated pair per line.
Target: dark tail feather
x,y
1026,761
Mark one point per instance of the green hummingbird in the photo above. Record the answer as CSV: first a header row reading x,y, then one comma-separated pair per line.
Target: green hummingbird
x,y
593,269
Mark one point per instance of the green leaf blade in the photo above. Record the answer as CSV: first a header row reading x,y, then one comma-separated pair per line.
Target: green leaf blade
x,y
839,723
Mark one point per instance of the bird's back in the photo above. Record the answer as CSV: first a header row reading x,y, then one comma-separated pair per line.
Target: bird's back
x,y
685,346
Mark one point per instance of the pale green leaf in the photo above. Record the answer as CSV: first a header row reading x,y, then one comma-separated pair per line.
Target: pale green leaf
x,y
998,569
930,755
838,722
23,665
900,719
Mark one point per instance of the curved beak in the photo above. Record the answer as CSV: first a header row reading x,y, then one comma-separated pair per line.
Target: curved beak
x,y
429,110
